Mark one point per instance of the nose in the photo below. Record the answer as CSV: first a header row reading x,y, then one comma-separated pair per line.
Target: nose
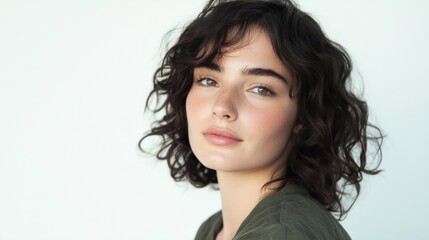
x,y
225,106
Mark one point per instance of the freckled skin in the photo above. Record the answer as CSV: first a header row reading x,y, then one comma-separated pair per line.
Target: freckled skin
x,y
232,101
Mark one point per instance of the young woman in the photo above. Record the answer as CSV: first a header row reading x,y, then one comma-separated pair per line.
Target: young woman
x,y
256,99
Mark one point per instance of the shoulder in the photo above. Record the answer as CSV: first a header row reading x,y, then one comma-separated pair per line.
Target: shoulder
x,y
272,232
210,226
303,215
292,214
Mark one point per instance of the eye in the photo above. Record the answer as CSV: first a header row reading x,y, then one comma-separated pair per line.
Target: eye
x,y
207,82
263,91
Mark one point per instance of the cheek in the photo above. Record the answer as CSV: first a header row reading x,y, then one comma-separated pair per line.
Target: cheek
x,y
191,117
194,104
197,110
273,124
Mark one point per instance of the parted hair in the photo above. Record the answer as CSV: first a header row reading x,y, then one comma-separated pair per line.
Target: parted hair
x,y
330,151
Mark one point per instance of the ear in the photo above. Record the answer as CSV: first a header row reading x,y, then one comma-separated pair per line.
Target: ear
x,y
298,126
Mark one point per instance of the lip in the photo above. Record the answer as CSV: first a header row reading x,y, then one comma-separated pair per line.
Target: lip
x,y
221,136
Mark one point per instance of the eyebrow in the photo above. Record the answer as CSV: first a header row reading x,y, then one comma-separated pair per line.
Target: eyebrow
x,y
210,65
247,71
264,72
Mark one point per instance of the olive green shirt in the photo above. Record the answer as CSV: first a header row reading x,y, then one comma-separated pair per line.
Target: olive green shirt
x,y
290,213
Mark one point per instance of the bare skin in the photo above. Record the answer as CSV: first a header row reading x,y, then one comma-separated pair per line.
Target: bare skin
x,y
240,194
246,98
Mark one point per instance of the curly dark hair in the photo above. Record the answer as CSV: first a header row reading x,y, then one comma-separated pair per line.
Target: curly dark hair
x,y
330,150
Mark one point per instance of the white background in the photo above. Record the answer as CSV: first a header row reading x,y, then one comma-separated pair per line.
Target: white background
x,y
74,76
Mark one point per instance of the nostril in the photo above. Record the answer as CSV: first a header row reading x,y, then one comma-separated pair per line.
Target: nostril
x,y
222,114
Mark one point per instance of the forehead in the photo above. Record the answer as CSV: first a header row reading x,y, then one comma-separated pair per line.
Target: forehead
x,y
254,49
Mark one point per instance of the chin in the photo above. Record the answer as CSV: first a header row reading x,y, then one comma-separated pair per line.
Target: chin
x,y
218,163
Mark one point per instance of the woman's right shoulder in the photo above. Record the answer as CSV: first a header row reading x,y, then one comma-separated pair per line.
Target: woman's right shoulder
x,y
209,228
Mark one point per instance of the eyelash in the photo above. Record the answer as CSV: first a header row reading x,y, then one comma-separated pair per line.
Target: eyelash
x,y
200,81
269,91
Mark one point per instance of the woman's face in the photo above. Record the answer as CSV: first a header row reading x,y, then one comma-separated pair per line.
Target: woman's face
x,y
239,112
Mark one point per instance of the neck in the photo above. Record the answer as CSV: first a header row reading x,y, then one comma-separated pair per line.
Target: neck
x,y
240,193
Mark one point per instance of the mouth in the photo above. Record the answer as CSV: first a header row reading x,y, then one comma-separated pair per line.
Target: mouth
x,y
221,137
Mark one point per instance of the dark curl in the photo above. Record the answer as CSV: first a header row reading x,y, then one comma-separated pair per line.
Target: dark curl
x,y
329,152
